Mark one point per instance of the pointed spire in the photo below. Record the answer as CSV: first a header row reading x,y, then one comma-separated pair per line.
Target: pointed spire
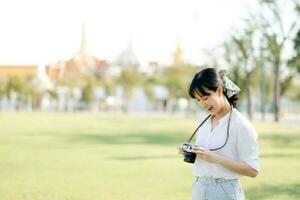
x,y
127,57
177,59
130,41
84,61
83,46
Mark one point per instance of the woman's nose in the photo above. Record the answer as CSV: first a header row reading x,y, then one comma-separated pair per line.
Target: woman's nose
x,y
202,103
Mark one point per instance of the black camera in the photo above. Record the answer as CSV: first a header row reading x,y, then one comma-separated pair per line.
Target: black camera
x,y
189,157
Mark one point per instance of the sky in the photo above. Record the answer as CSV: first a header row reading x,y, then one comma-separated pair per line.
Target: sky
x,y
46,31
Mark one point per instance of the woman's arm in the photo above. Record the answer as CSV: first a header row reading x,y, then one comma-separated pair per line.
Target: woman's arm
x,y
235,166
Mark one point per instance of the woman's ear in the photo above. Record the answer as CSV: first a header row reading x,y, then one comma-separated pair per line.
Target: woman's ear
x,y
219,90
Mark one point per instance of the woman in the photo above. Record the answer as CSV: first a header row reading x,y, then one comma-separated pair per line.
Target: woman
x,y
226,143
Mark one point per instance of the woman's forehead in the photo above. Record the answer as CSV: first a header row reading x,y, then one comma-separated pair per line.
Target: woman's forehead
x,y
198,93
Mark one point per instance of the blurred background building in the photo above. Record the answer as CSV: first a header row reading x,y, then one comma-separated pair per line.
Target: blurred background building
x,y
265,64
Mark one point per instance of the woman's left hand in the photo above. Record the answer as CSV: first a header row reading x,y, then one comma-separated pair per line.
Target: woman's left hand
x,y
206,154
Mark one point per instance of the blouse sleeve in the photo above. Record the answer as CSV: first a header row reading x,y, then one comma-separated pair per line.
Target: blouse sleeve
x,y
247,146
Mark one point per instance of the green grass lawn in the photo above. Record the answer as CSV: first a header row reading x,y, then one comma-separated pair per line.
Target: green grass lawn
x,y
85,156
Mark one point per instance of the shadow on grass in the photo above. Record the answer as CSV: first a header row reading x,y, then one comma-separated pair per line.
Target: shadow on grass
x,y
169,138
129,158
166,138
271,191
280,155
282,139
142,138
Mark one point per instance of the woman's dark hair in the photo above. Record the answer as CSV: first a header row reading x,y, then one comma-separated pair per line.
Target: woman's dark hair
x,y
209,79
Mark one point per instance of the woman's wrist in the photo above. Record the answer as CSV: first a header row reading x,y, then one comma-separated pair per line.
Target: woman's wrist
x,y
219,159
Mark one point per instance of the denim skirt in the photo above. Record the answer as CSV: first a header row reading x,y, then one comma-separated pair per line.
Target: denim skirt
x,y
209,188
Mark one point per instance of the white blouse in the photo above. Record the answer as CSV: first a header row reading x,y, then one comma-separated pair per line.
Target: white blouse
x,y
241,145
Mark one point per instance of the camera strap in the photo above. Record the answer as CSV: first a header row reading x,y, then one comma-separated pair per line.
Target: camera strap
x,y
228,126
198,128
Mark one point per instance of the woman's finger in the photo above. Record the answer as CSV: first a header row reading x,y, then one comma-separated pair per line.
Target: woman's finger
x,y
198,148
197,151
179,147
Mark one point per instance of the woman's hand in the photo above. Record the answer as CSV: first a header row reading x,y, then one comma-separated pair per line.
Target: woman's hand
x,y
180,151
233,165
206,155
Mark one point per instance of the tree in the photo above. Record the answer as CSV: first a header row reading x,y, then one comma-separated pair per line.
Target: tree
x,y
245,47
109,84
294,62
177,80
129,79
277,32
149,84
15,85
88,91
3,83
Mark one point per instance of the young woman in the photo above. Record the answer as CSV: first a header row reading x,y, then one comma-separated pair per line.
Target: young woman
x,y
226,143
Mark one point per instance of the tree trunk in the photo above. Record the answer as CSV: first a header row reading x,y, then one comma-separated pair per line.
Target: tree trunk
x,y
262,92
277,91
170,105
277,63
37,102
248,91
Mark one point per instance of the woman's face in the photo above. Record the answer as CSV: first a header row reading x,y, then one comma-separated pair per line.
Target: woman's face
x,y
212,102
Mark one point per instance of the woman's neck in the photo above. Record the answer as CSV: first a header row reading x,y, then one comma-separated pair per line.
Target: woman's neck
x,y
224,110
